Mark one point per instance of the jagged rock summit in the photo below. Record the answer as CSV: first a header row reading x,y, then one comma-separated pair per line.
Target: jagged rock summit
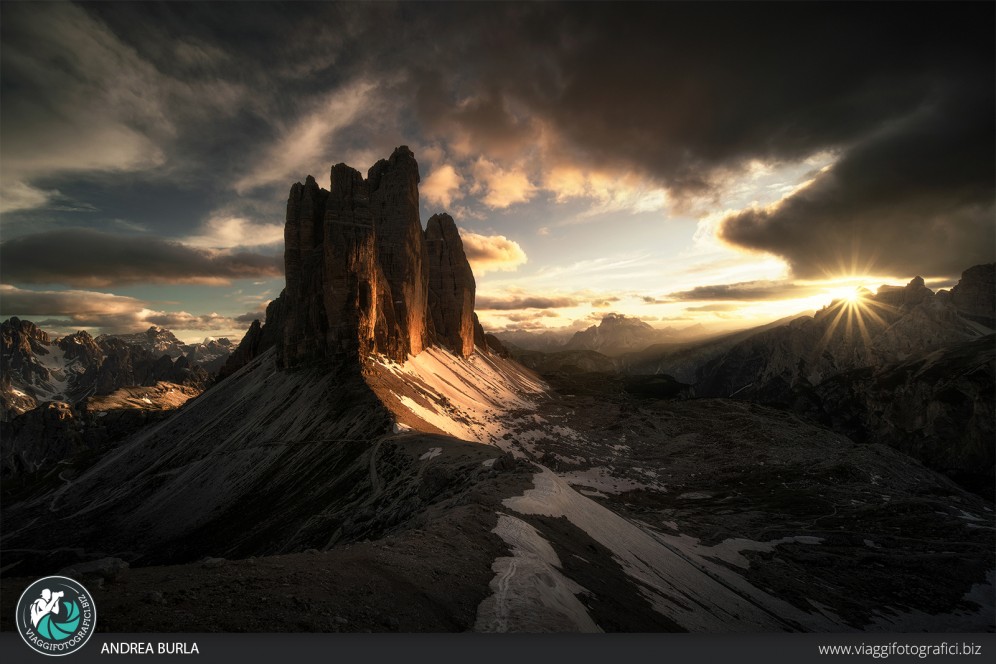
x,y
362,275
451,285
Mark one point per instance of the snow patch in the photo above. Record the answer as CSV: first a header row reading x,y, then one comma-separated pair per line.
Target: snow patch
x,y
680,578
479,398
602,481
530,592
431,454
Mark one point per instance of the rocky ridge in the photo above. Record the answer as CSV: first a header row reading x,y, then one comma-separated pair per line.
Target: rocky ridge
x,y
879,329
906,367
36,369
156,340
77,393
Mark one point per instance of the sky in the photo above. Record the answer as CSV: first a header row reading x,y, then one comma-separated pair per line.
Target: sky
x,y
707,163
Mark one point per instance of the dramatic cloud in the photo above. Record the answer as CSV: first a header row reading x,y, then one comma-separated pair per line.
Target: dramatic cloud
x,y
250,316
529,117
746,291
915,198
304,145
105,108
604,302
19,195
907,107
225,232
79,257
485,303
65,303
106,115
442,186
491,253
779,90
105,311
607,191
500,187
181,320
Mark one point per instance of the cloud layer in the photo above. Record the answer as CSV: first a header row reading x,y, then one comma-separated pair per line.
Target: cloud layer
x,y
187,122
746,291
104,311
485,303
81,257
917,194
491,253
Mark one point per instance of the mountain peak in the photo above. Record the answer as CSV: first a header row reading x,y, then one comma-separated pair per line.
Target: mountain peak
x,y
622,320
975,294
451,285
361,273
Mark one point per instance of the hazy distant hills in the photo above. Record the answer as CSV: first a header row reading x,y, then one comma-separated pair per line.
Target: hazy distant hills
x,y
883,328
614,335
155,340
683,359
209,354
905,366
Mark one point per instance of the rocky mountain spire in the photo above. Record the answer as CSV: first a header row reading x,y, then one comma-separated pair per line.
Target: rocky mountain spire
x,y
451,285
359,273
401,249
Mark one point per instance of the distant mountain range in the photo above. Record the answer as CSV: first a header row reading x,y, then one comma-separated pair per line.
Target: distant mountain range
x,y
904,366
614,335
37,368
209,354
876,330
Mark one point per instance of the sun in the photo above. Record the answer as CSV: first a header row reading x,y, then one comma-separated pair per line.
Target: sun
x,y
854,310
850,295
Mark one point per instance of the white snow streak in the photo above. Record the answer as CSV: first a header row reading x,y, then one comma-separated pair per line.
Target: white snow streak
x,y
530,593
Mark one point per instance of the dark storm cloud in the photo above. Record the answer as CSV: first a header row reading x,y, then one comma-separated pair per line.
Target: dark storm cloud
x,y
745,291
679,89
106,311
524,302
689,94
80,257
916,198
683,94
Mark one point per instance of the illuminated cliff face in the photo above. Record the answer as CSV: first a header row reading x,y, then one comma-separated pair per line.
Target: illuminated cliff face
x,y
361,273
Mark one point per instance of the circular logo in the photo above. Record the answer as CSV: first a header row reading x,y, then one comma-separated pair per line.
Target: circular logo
x,y
56,615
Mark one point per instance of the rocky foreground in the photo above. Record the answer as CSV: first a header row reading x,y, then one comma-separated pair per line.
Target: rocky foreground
x,y
599,511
